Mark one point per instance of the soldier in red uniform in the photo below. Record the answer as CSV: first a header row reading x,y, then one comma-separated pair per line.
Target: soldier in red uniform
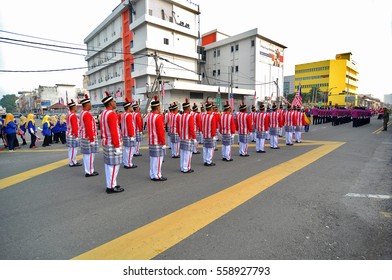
x,y
209,132
156,140
174,137
244,128
262,125
276,121
72,135
128,135
197,123
138,125
289,124
110,134
227,130
187,137
89,140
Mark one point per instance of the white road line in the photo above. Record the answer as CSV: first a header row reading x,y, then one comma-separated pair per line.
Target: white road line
x,y
379,196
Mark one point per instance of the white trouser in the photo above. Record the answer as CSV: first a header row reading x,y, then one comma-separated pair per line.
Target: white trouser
x,y
156,167
274,141
195,146
260,144
226,152
243,148
280,131
185,160
137,148
175,149
128,156
72,152
168,140
289,138
254,136
88,162
111,172
267,135
208,154
298,136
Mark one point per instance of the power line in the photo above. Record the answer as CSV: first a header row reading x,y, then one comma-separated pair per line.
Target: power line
x,y
35,47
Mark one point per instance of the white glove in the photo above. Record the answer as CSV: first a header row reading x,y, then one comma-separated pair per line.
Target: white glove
x,y
133,139
77,139
232,136
164,147
92,144
117,152
194,141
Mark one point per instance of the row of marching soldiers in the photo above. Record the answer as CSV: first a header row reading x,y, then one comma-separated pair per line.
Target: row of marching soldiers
x,y
186,131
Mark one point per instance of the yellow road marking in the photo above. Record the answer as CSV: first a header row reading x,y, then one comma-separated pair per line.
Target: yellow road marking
x,y
152,239
386,214
12,180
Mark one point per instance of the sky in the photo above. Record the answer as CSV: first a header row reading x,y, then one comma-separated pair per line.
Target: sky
x,y
312,30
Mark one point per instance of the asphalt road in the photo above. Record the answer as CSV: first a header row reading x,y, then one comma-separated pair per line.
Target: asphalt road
x,y
325,210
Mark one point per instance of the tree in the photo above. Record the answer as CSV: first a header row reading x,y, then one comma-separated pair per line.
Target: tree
x,y
8,102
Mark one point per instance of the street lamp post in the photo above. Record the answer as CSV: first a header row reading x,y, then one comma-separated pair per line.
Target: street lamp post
x,y
328,94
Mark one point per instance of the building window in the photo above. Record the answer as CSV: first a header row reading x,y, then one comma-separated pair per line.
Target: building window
x,y
150,12
232,48
166,41
196,95
218,72
214,53
131,44
218,52
132,67
236,68
252,43
237,47
214,73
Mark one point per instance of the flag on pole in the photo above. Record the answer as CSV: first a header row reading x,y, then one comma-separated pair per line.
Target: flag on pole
x,y
297,101
66,96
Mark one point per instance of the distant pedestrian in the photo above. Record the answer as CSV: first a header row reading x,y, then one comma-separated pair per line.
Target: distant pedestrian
x,y
22,129
63,129
386,119
46,132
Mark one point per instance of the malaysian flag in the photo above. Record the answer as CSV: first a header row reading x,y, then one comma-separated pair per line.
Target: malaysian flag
x,y
297,101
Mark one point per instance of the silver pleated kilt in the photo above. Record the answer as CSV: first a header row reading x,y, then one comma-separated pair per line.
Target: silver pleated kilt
x,y
243,138
288,128
139,136
85,147
261,134
198,136
174,137
227,140
109,157
186,145
298,128
71,142
127,142
155,150
208,143
273,131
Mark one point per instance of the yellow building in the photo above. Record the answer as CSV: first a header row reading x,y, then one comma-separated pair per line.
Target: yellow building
x,y
337,80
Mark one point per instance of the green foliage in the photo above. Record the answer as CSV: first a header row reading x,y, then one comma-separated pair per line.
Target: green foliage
x,y
8,102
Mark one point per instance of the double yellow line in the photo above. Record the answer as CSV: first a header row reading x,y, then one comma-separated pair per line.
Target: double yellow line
x,y
378,131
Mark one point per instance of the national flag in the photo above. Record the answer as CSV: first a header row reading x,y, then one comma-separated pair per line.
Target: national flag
x,y
297,101
66,96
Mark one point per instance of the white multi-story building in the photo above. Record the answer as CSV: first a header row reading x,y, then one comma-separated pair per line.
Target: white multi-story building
x,y
105,56
247,60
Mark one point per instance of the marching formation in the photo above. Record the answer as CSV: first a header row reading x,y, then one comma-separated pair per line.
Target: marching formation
x,y
121,138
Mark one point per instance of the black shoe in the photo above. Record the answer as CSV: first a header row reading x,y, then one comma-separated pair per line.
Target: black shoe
x,y
24,143
224,159
130,167
229,159
215,149
209,164
260,152
189,171
175,156
244,155
160,179
137,155
276,148
196,153
95,173
116,189
76,164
